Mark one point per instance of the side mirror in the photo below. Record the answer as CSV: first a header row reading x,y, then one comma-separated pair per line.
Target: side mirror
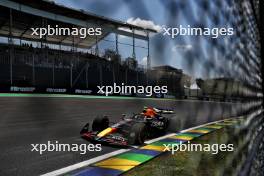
x,y
147,118
123,116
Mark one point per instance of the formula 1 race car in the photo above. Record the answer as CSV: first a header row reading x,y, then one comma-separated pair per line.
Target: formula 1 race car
x,y
130,130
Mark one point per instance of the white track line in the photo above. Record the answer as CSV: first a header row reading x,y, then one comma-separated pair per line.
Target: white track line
x,y
199,126
84,163
159,138
99,158
108,155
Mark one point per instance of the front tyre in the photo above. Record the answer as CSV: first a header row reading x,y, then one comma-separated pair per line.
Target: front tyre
x,y
100,123
137,134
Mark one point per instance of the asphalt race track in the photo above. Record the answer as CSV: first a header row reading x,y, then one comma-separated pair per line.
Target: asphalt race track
x,y
30,120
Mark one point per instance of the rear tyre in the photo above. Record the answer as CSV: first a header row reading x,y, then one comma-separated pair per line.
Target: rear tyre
x,y
137,134
100,123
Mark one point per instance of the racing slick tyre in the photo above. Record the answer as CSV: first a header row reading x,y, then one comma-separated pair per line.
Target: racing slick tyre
x,y
100,123
137,134
166,125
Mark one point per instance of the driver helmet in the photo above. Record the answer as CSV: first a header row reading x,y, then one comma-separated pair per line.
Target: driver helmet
x,y
149,112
